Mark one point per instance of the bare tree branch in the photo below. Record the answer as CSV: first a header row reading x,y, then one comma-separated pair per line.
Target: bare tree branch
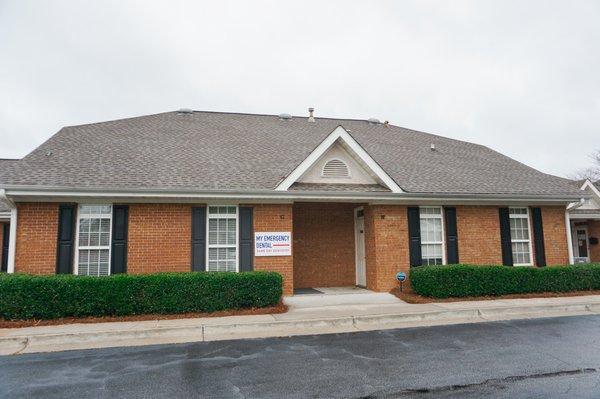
x,y
592,173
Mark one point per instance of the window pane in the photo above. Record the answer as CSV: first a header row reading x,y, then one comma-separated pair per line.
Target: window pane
x,y
94,262
94,231
222,238
212,231
520,251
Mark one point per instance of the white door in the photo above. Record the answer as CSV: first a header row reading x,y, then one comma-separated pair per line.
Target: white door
x,y
359,239
581,244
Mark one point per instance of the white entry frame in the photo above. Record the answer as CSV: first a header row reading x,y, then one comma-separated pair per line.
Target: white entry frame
x,y
359,244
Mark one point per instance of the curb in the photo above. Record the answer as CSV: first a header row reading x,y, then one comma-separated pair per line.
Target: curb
x,y
31,343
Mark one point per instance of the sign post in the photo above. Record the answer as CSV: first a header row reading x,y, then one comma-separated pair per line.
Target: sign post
x,y
401,277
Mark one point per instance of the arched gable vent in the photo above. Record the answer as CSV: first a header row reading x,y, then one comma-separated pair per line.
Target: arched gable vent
x,y
335,168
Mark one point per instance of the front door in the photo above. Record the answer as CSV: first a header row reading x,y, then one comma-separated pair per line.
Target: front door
x,y
582,242
359,239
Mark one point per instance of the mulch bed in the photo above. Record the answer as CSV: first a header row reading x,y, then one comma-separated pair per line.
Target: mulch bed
x,y
411,297
279,308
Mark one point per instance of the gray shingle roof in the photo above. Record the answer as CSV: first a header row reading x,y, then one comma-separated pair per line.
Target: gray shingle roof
x,y
229,151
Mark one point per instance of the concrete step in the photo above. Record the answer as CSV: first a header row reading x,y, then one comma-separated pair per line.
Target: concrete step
x,y
324,300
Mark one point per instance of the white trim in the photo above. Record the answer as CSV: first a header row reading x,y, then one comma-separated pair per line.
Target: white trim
x,y
132,196
443,227
589,184
237,232
339,133
587,242
529,233
569,238
99,247
12,241
584,216
356,235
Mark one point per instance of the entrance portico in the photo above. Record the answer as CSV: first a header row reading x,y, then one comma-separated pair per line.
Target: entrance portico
x,y
584,223
585,233
328,245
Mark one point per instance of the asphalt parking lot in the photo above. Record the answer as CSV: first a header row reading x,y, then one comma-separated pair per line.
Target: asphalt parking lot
x,y
551,358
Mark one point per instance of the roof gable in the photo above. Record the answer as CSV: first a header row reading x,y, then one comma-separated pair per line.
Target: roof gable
x,y
339,144
594,201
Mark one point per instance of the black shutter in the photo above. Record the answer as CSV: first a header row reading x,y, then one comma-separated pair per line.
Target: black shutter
x,y
538,236
507,258
199,239
246,239
5,241
66,232
414,236
451,236
118,261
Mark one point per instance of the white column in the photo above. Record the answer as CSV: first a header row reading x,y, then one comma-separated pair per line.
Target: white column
x,y
12,243
569,238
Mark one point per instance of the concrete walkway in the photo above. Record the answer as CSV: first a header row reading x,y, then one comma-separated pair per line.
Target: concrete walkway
x,y
310,317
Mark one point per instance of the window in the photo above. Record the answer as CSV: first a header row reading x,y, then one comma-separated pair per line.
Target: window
x,y
222,238
335,168
432,235
93,240
519,236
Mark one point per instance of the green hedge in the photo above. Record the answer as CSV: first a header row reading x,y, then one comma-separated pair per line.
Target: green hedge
x,y
48,297
468,280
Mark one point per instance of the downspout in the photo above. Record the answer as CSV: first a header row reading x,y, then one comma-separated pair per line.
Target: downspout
x,y
12,243
568,226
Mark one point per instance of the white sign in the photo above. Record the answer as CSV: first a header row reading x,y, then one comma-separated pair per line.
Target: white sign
x,y
273,244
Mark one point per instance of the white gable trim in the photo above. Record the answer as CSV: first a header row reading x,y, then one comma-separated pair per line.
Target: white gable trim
x,y
339,133
589,184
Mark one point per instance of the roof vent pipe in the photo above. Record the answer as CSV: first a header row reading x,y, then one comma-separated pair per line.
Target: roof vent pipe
x,y
311,117
432,147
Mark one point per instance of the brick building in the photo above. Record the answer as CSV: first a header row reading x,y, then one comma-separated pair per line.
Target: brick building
x,y
324,202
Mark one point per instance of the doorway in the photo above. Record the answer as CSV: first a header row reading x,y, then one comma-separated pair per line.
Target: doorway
x,y
582,243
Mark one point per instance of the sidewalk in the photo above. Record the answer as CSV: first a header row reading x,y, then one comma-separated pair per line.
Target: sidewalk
x,y
306,319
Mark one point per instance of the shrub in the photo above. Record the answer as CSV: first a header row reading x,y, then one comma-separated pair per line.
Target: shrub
x,y
468,280
48,297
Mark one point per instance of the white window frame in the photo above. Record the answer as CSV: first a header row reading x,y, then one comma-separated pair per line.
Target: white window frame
x,y
77,247
529,232
237,232
441,208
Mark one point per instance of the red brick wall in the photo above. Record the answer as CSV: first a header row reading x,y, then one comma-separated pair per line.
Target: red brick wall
x,y
276,217
37,234
478,230
555,235
324,245
594,231
386,241
159,238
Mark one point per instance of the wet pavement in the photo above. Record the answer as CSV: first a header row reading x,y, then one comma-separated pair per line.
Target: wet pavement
x,y
550,358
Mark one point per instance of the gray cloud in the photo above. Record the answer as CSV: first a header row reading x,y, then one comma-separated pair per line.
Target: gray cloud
x,y
520,77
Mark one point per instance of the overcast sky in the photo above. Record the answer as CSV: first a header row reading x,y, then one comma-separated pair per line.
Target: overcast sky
x,y
522,77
